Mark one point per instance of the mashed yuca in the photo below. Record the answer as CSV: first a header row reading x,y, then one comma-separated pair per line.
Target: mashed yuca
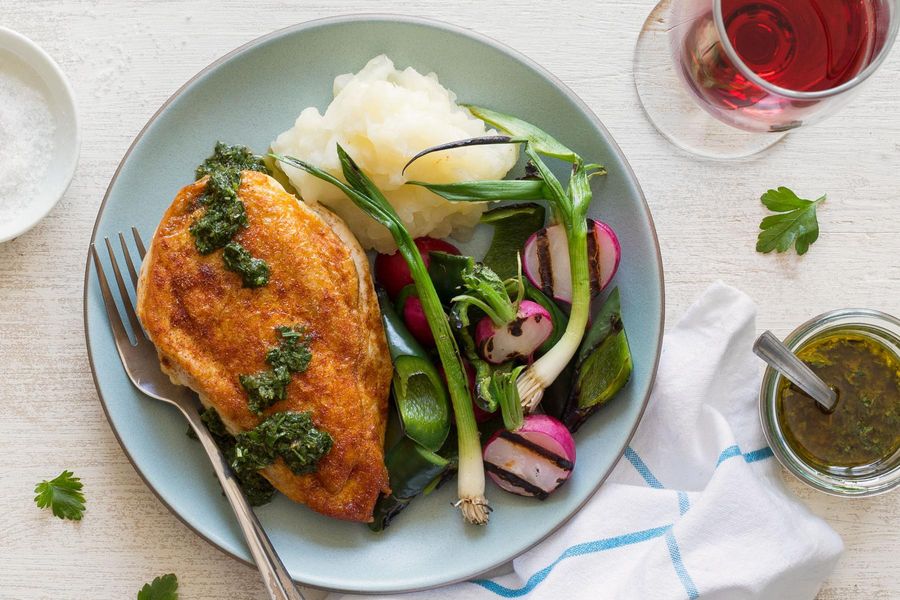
x,y
382,117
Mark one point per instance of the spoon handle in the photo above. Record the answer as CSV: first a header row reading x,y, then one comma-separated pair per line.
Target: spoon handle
x,y
779,357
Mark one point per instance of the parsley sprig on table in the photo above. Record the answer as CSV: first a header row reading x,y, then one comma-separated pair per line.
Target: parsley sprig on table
x,y
796,224
164,587
63,495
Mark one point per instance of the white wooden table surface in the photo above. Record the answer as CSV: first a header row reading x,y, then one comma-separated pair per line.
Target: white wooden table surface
x,y
125,58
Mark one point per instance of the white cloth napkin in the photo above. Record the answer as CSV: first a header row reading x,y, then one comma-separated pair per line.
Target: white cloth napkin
x,y
696,508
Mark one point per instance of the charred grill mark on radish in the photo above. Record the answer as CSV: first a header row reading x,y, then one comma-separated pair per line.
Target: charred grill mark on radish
x,y
545,262
517,440
519,338
486,350
547,266
514,480
515,327
533,459
594,264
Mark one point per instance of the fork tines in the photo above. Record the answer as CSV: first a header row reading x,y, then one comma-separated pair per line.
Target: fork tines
x,y
115,320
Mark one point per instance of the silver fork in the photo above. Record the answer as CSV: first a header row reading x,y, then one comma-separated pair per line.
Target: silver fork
x,y
142,366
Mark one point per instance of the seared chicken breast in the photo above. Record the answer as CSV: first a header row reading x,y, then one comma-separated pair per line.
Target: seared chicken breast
x,y
209,330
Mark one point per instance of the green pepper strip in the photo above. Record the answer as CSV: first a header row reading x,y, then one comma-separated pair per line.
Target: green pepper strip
x,y
412,469
419,391
603,365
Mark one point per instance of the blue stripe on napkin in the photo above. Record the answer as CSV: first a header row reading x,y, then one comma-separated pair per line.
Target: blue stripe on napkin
x,y
577,550
749,457
761,454
680,570
635,537
641,467
684,503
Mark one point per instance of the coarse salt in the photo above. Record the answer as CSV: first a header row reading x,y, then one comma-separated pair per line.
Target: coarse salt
x,y
27,129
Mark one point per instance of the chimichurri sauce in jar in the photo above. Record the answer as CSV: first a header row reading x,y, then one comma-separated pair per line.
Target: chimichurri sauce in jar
x,y
864,427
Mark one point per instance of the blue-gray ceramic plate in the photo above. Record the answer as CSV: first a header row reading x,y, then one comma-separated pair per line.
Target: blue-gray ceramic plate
x,y
249,97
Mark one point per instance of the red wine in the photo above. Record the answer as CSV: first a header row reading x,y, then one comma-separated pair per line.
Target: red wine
x,y
798,45
802,45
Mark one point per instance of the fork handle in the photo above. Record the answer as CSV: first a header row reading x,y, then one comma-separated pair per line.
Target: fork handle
x,y
278,582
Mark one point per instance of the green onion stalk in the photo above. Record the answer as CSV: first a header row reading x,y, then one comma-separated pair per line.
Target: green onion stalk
x,y
363,192
571,210
569,207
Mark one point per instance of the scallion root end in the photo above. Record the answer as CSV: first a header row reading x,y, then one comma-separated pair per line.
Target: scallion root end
x,y
475,510
531,389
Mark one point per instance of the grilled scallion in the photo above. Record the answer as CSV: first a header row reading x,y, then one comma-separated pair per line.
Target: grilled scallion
x,y
569,207
369,198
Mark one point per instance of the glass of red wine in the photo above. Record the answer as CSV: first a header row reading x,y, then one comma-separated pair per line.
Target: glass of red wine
x,y
728,78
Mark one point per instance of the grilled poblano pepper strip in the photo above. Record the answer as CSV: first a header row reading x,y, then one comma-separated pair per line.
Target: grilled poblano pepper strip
x,y
446,271
418,388
411,469
603,365
513,225
364,193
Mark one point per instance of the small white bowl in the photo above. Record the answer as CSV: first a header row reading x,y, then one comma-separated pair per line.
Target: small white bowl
x,y
27,60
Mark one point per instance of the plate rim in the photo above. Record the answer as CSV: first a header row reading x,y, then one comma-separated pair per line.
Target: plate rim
x,y
431,23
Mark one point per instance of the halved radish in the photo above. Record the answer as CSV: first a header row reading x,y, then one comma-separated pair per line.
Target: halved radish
x,y
534,460
546,259
414,318
519,338
392,272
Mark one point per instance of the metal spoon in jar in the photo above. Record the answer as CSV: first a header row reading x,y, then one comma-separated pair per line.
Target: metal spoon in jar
x,y
779,357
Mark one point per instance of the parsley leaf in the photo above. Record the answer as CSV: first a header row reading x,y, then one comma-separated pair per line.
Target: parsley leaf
x,y
63,496
796,225
164,587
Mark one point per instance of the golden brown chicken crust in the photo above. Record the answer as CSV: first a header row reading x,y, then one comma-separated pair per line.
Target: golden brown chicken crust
x,y
208,330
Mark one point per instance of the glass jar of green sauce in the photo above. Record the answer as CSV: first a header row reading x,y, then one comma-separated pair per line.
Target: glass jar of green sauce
x,y
854,449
